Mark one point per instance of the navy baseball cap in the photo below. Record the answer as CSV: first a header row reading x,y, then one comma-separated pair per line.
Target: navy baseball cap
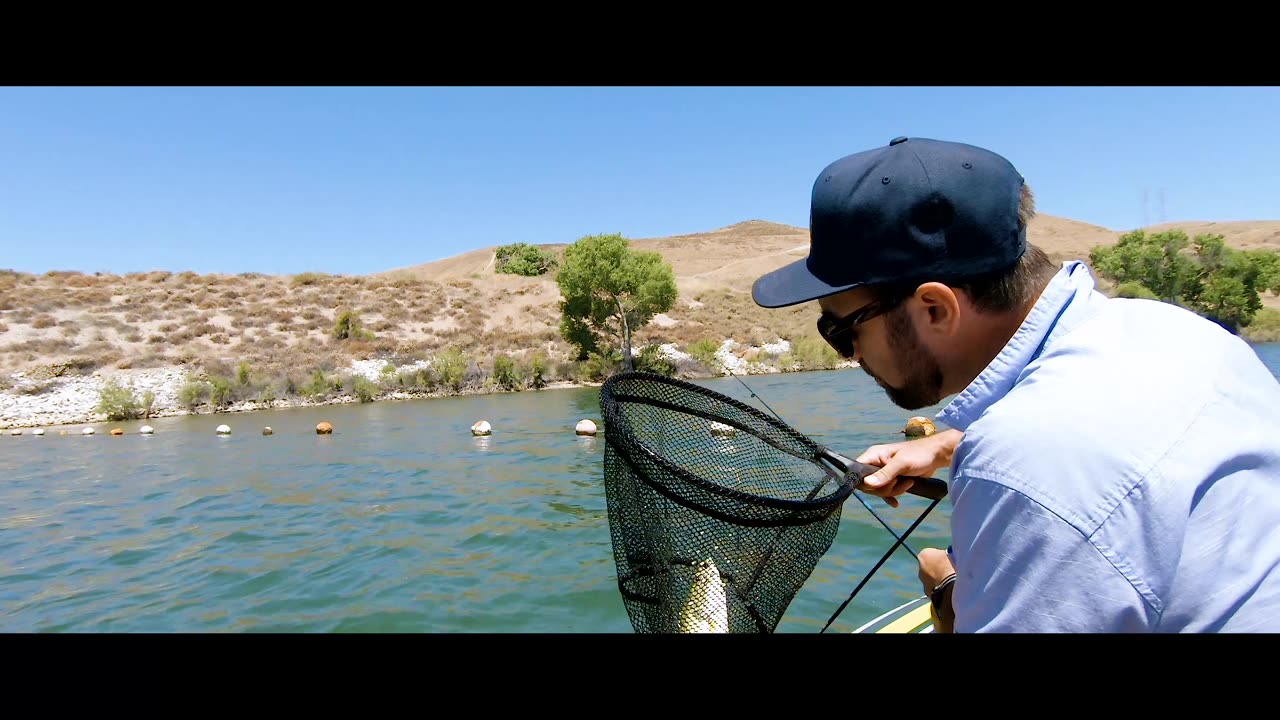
x,y
916,210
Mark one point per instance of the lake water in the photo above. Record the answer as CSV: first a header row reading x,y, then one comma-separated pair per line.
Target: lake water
x,y
401,521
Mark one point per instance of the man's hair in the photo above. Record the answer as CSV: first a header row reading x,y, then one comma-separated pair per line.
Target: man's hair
x,y
1020,284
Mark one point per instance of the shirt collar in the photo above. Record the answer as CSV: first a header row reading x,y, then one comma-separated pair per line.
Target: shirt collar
x,y
1072,287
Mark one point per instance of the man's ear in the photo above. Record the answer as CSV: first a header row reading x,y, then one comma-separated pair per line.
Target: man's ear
x,y
939,309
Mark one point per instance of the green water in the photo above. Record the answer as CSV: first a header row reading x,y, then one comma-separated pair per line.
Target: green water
x,y
401,521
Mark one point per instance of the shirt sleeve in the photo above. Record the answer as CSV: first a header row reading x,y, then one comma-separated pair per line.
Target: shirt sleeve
x,y
1021,568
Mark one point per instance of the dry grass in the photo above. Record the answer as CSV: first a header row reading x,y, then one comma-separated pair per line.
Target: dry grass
x,y
282,325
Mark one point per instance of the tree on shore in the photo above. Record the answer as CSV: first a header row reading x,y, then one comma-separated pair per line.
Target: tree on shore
x,y
611,291
1203,274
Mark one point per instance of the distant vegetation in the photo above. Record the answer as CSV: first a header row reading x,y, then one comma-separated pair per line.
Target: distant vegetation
x,y
610,291
1201,274
523,259
119,402
537,318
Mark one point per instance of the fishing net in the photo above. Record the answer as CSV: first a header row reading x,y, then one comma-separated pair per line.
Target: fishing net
x,y
717,512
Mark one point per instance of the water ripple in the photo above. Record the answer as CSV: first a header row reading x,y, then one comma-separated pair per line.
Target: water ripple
x,y
400,521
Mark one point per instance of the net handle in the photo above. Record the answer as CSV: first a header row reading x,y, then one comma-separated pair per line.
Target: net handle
x,y
925,487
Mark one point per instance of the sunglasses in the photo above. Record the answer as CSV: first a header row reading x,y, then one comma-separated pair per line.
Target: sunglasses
x,y
840,332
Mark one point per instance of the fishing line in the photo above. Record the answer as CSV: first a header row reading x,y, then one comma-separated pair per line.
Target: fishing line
x,y
899,540
857,495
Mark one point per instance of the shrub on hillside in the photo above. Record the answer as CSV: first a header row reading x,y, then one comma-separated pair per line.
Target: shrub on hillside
x,y
523,259
506,374
118,402
1265,326
1135,289
651,359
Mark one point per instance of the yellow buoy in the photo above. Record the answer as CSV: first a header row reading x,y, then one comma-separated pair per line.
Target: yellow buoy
x,y
919,426
324,428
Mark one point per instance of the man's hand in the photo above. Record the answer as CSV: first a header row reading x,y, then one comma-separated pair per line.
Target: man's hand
x,y
921,458
935,566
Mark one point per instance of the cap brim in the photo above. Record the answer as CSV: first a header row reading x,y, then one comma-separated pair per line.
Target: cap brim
x,y
791,285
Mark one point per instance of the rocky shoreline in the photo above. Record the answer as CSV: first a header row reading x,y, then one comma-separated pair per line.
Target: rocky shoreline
x,y
32,402
73,401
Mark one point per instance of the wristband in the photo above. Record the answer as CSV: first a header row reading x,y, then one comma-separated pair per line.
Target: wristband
x,y
936,593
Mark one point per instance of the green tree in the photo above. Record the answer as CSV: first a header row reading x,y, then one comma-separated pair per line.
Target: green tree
x,y
1155,261
1203,275
1268,264
610,291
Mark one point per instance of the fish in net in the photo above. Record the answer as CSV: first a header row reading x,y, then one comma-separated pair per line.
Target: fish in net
x,y
717,512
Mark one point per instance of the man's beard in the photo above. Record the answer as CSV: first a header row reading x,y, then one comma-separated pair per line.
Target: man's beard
x,y
923,384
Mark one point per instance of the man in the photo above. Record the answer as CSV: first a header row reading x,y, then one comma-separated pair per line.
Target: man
x,y
1115,463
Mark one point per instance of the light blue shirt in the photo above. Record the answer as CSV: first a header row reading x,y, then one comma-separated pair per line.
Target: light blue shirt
x,y
1119,472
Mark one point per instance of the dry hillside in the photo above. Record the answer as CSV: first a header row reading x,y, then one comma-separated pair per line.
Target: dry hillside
x,y
281,327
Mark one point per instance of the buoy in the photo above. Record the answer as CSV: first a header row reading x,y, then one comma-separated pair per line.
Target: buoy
x,y
718,428
224,430
146,430
117,431
919,426
481,428
585,427
324,428
38,431
266,430
87,431
15,432
64,432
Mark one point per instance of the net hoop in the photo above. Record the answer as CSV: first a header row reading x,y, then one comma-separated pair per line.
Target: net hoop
x,y
613,394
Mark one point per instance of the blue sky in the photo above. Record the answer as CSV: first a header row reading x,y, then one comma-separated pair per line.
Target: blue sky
x,y
358,180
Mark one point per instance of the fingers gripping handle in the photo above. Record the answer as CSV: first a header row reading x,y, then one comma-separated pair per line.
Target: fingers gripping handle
x,y
931,488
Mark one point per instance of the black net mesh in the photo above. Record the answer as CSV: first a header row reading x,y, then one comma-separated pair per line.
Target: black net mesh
x,y
718,513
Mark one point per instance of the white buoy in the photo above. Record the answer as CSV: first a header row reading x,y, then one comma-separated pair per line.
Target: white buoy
x,y
224,430
481,428
585,427
146,430
87,431
15,432
38,431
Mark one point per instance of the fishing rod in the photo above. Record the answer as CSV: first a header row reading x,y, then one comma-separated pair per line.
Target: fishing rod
x,y
864,502
900,540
